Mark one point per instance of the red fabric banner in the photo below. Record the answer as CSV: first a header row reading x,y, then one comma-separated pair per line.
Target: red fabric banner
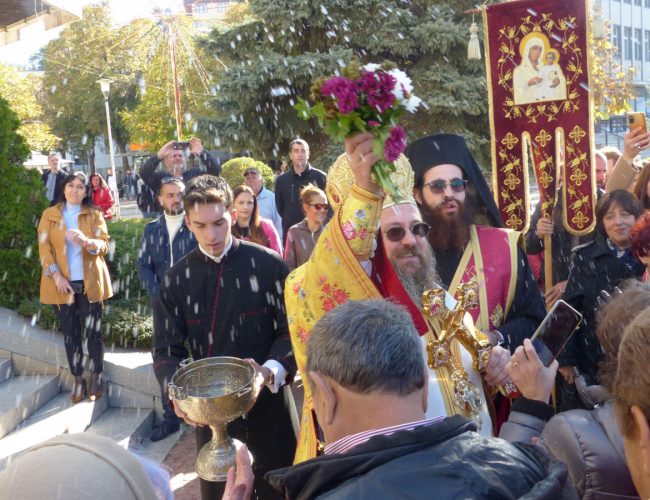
x,y
538,67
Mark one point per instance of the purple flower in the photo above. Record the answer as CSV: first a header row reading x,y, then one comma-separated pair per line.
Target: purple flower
x,y
395,144
378,86
344,92
373,123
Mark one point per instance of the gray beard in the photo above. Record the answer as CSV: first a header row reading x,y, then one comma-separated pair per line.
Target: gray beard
x,y
425,278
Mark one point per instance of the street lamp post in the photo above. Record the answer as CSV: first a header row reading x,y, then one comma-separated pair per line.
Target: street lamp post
x,y
105,85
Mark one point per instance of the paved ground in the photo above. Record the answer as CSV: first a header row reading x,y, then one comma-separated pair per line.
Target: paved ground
x,y
180,461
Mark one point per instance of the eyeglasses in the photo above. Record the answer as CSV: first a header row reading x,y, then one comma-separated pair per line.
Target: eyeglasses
x,y
439,185
319,206
397,233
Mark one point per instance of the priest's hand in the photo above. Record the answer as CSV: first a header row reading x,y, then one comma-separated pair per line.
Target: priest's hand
x,y
358,151
555,293
495,373
532,378
263,375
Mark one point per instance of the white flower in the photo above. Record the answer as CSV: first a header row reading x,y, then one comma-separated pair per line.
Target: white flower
x,y
412,103
403,85
371,67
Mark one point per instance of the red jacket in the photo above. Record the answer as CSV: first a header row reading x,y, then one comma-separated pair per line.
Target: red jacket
x,y
103,199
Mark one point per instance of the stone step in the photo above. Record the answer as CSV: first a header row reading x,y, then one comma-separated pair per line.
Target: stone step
x,y
158,451
128,427
58,416
21,396
6,369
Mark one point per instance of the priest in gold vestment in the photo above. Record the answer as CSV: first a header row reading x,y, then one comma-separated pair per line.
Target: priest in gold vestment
x,y
350,262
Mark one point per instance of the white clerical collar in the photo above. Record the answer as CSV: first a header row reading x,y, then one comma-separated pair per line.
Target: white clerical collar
x,y
220,257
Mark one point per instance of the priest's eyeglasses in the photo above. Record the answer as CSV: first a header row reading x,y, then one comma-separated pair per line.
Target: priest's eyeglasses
x,y
438,186
397,233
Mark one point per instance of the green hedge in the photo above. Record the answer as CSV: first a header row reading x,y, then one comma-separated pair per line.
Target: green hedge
x,y
127,315
23,201
233,171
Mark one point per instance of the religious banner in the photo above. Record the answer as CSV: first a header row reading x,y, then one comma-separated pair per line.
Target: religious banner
x,y
538,70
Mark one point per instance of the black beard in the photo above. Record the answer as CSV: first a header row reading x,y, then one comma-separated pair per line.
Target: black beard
x,y
423,279
448,232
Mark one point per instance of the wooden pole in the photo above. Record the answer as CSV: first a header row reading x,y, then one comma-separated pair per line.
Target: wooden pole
x,y
548,263
177,93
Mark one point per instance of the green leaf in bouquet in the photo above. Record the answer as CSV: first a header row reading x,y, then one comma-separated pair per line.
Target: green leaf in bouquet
x,y
334,130
357,123
319,112
303,109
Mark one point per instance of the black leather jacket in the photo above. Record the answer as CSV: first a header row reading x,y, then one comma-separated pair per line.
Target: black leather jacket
x,y
447,459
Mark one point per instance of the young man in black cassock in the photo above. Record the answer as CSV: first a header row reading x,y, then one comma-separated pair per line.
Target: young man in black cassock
x,y
226,299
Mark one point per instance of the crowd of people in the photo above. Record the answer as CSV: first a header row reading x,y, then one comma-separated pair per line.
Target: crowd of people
x,y
327,277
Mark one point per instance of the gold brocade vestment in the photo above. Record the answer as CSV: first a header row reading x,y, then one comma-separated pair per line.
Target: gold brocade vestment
x,y
333,275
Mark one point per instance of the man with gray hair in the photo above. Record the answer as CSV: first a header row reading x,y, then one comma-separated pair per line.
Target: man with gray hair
x,y
369,385
54,179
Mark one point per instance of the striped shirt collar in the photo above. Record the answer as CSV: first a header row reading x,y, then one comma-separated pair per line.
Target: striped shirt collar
x,y
346,443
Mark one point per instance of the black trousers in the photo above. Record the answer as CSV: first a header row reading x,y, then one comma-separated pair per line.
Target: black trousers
x,y
270,432
82,317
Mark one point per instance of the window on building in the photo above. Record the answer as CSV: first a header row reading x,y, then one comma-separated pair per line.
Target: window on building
x,y
647,3
627,43
637,2
646,44
637,44
200,8
616,38
627,1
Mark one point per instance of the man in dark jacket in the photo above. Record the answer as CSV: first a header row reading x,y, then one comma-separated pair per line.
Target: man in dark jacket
x,y
289,184
369,388
174,157
165,241
53,180
225,298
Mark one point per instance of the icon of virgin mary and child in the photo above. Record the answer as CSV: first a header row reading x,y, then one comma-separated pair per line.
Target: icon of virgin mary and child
x,y
538,77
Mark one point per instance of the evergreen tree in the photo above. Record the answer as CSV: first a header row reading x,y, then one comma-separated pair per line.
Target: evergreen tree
x,y
22,194
274,57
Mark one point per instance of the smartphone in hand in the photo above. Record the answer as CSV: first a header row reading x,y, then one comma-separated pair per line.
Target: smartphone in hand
x,y
636,120
555,331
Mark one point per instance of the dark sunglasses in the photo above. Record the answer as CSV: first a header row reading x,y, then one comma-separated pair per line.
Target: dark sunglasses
x,y
319,206
397,233
438,186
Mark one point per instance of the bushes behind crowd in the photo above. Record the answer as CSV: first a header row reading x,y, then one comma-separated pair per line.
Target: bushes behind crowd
x,y
23,200
127,316
233,171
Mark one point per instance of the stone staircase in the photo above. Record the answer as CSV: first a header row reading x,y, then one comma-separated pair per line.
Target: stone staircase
x,y
35,387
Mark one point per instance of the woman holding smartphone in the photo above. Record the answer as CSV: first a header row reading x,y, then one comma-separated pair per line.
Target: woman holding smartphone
x,y
598,266
72,242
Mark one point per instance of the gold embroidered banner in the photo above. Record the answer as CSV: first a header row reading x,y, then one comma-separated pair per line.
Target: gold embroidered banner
x,y
538,67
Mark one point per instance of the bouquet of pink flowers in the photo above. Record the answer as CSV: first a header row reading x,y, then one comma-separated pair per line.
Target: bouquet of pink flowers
x,y
367,99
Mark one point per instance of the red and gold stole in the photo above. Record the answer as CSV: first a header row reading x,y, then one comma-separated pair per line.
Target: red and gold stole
x,y
491,259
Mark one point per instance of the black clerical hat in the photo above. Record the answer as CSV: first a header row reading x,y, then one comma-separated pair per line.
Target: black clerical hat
x,y
441,149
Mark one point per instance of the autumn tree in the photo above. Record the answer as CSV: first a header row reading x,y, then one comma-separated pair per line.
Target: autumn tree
x,y
21,92
86,51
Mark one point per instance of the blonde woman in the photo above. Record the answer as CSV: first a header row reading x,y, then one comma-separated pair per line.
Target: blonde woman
x,y
302,237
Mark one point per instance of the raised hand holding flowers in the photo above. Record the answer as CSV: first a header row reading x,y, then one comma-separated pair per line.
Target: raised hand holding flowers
x,y
367,99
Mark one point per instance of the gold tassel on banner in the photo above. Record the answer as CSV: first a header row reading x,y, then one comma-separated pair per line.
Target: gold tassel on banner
x,y
474,47
599,22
